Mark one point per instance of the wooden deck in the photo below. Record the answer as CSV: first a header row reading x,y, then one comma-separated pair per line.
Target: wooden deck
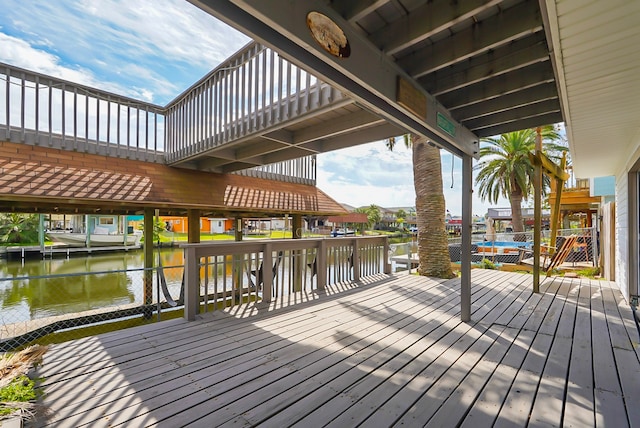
x,y
389,352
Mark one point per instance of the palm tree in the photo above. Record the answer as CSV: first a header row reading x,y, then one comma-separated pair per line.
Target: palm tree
x,y
505,169
18,228
433,248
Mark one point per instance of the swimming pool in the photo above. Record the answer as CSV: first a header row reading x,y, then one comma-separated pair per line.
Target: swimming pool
x,y
510,244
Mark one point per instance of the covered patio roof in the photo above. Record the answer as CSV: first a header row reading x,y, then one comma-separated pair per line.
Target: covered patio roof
x,y
452,71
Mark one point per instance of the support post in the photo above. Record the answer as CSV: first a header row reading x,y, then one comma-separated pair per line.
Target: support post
x,y
297,226
41,232
465,258
386,250
193,231
537,213
193,237
191,284
321,265
267,273
236,264
299,261
356,260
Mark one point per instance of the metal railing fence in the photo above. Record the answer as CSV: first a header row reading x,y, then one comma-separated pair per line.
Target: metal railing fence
x,y
503,247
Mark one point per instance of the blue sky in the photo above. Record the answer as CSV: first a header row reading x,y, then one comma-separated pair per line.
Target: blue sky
x,y
153,50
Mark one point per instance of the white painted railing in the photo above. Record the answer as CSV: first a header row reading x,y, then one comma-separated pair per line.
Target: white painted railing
x,y
220,274
43,110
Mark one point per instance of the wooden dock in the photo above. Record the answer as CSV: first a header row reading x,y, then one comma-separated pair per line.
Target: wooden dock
x,y
389,352
64,250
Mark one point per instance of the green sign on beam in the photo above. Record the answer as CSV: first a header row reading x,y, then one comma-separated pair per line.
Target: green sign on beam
x,y
446,125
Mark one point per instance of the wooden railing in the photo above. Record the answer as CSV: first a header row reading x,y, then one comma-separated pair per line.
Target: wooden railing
x,y
221,274
253,91
301,170
43,110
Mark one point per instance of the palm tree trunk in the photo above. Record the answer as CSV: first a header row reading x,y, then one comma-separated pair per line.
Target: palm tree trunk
x,y
516,212
433,250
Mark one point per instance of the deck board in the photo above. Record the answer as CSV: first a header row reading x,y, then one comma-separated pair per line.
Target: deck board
x,y
389,351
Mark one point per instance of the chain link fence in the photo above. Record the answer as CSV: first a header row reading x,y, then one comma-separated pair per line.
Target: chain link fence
x,y
58,299
515,248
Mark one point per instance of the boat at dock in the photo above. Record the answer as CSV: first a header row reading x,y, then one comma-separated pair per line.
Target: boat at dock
x,y
95,239
103,231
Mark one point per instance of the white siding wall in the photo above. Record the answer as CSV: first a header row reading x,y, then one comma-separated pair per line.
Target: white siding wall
x,y
622,233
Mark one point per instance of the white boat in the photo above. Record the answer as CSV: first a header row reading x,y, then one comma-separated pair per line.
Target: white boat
x,y
345,232
104,231
96,239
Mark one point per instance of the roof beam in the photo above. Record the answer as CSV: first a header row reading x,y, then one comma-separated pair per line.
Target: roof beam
x,y
517,125
341,125
379,132
354,10
425,21
505,59
507,26
367,76
259,149
498,86
280,135
525,111
507,101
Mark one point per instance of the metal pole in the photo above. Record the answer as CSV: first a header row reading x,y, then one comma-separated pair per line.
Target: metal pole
x,y
148,259
465,260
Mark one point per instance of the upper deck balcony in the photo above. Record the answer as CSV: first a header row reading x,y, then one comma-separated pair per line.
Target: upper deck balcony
x,y
256,113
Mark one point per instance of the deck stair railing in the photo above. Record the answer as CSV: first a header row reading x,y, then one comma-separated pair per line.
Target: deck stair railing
x,y
228,271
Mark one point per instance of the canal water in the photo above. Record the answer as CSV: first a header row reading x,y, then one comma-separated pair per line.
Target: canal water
x,y
34,288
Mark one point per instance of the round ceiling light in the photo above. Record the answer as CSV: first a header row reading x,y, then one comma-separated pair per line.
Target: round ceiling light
x,y
328,35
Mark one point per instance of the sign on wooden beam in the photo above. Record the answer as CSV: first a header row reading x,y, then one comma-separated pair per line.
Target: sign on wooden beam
x,y
411,98
446,125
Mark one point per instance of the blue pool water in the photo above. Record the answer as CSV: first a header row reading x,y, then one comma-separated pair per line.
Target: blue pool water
x,y
504,244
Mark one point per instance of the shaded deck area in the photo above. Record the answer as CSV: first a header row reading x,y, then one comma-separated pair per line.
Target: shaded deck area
x,y
386,352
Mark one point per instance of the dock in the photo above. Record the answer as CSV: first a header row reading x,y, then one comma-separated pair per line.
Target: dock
x,y
51,250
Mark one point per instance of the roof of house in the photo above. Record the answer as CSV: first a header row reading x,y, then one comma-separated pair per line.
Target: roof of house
x,y
349,218
34,178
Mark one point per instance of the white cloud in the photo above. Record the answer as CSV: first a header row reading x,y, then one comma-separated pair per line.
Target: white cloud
x,y
157,47
370,174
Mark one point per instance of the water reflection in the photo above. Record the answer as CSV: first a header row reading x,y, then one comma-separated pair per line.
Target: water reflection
x,y
23,299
